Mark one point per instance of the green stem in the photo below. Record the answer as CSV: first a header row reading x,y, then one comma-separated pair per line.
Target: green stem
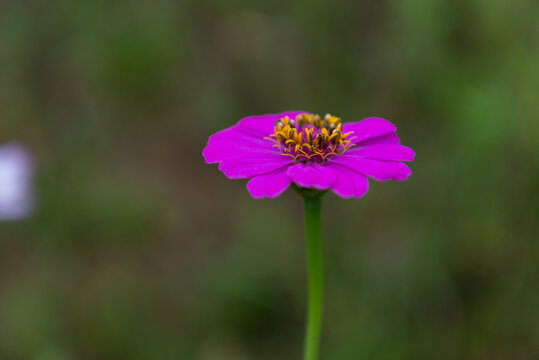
x,y
313,231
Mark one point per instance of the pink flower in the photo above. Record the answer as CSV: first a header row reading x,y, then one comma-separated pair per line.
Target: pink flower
x,y
16,170
295,147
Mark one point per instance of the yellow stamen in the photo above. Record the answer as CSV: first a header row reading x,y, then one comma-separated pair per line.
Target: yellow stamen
x,y
323,138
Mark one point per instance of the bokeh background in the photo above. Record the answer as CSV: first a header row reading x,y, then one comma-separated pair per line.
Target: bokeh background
x,y
138,250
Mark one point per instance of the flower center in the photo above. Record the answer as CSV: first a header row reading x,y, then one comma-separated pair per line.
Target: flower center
x,y
309,138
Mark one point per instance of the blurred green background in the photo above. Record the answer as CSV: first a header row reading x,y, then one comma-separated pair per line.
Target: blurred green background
x,y
139,250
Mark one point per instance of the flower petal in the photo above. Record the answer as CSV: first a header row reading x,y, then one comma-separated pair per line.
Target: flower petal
x,y
256,164
384,139
265,124
392,152
218,152
237,134
248,136
312,176
269,185
379,170
349,183
368,128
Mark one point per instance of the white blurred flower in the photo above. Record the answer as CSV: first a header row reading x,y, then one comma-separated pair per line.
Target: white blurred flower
x,y
16,190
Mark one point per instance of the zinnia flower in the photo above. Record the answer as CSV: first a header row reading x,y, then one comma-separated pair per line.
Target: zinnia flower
x,y
16,168
277,150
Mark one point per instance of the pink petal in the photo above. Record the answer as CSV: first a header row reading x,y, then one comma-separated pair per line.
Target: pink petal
x,y
384,139
391,152
349,183
312,176
257,164
218,152
250,135
368,128
238,135
265,124
269,185
379,170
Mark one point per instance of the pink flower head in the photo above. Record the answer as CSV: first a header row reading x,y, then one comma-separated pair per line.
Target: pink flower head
x,y
16,170
295,147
